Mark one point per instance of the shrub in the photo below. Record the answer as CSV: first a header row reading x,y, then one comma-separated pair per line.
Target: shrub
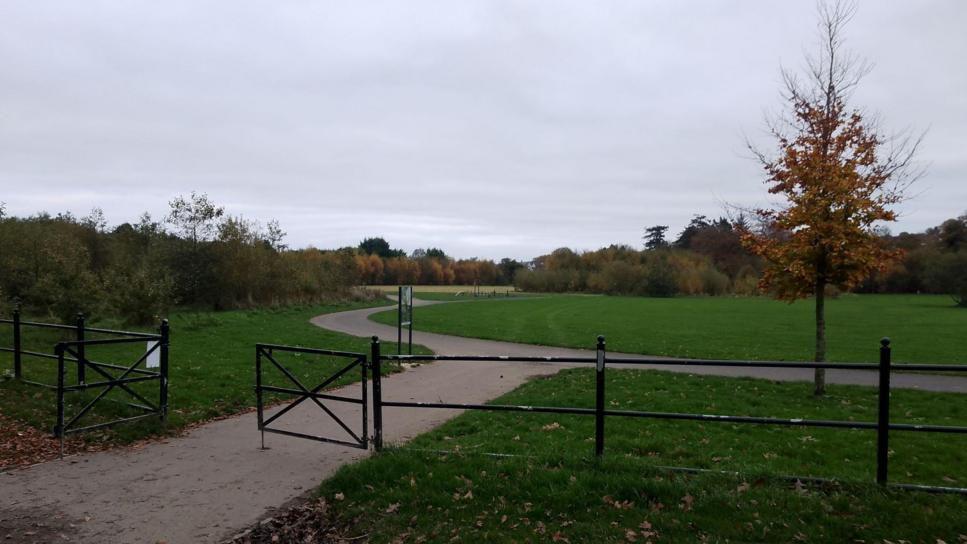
x,y
618,278
714,282
660,279
140,297
949,275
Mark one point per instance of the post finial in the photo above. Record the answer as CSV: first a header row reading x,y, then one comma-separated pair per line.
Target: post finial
x,y
885,342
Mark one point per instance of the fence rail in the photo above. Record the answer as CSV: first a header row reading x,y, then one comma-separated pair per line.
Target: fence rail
x,y
883,426
110,376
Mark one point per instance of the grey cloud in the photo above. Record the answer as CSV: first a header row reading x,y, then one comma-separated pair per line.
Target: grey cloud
x,y
488,128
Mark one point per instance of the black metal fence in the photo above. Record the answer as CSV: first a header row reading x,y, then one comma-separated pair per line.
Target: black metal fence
x,y
109,376
882,426
303,393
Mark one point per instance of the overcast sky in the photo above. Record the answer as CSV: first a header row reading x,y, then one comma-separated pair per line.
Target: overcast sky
x,y
489,129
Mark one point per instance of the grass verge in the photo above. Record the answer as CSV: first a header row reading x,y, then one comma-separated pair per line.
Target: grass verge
x,y
555,491
453,289
425,295
924,328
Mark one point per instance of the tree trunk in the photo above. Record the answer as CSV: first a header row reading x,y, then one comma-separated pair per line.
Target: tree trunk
x,y
820,373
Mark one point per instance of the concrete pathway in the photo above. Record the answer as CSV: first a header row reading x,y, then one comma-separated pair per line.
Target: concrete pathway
x,y
215,481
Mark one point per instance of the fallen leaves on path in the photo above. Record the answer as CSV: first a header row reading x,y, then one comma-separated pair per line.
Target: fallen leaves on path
x,y
22,445
312,521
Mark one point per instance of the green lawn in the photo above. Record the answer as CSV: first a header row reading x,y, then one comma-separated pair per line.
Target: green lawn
x,y
212,369
453,289
923,328
555,491
435,295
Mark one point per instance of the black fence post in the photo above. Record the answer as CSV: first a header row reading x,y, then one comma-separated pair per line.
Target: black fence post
x,y
365,404
59,427
81,360
399,320
17,347
377,396
163,368
883,415
258,392
599,400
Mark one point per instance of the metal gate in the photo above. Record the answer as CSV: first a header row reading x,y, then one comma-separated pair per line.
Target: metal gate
x,y
294,386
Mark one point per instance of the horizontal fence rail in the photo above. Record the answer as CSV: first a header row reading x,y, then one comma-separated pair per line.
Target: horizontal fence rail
x,y
902,367
108,376
883,426
303,393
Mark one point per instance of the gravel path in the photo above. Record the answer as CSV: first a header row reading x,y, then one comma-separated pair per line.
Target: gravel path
x,y
215,481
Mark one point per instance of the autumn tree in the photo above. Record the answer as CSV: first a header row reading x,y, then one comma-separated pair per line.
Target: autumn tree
x,y
838,178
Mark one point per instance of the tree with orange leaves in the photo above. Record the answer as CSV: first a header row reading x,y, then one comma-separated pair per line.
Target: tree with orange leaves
x,y
838,177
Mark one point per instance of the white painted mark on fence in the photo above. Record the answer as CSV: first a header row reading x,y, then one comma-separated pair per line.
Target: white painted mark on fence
x,y
154,357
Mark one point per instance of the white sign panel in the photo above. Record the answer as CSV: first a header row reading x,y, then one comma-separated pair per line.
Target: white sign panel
x,y
154,358
406,305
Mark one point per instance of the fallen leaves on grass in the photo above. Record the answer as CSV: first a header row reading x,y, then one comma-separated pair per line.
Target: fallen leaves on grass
x,y
619,505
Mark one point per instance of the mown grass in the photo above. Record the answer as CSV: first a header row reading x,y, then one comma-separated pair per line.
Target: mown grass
x,y
555,490
923,328
432,295
453,289
212,373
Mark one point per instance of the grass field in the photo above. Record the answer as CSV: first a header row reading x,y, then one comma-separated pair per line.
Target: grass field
x,y
555,491
455,292
452,289
211,367
923,328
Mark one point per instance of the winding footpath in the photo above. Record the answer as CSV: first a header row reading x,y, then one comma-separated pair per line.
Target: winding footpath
x,y
214,481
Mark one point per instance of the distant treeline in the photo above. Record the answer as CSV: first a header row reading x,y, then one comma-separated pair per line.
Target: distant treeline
x,y
934,261
196,257
708,258
378,264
